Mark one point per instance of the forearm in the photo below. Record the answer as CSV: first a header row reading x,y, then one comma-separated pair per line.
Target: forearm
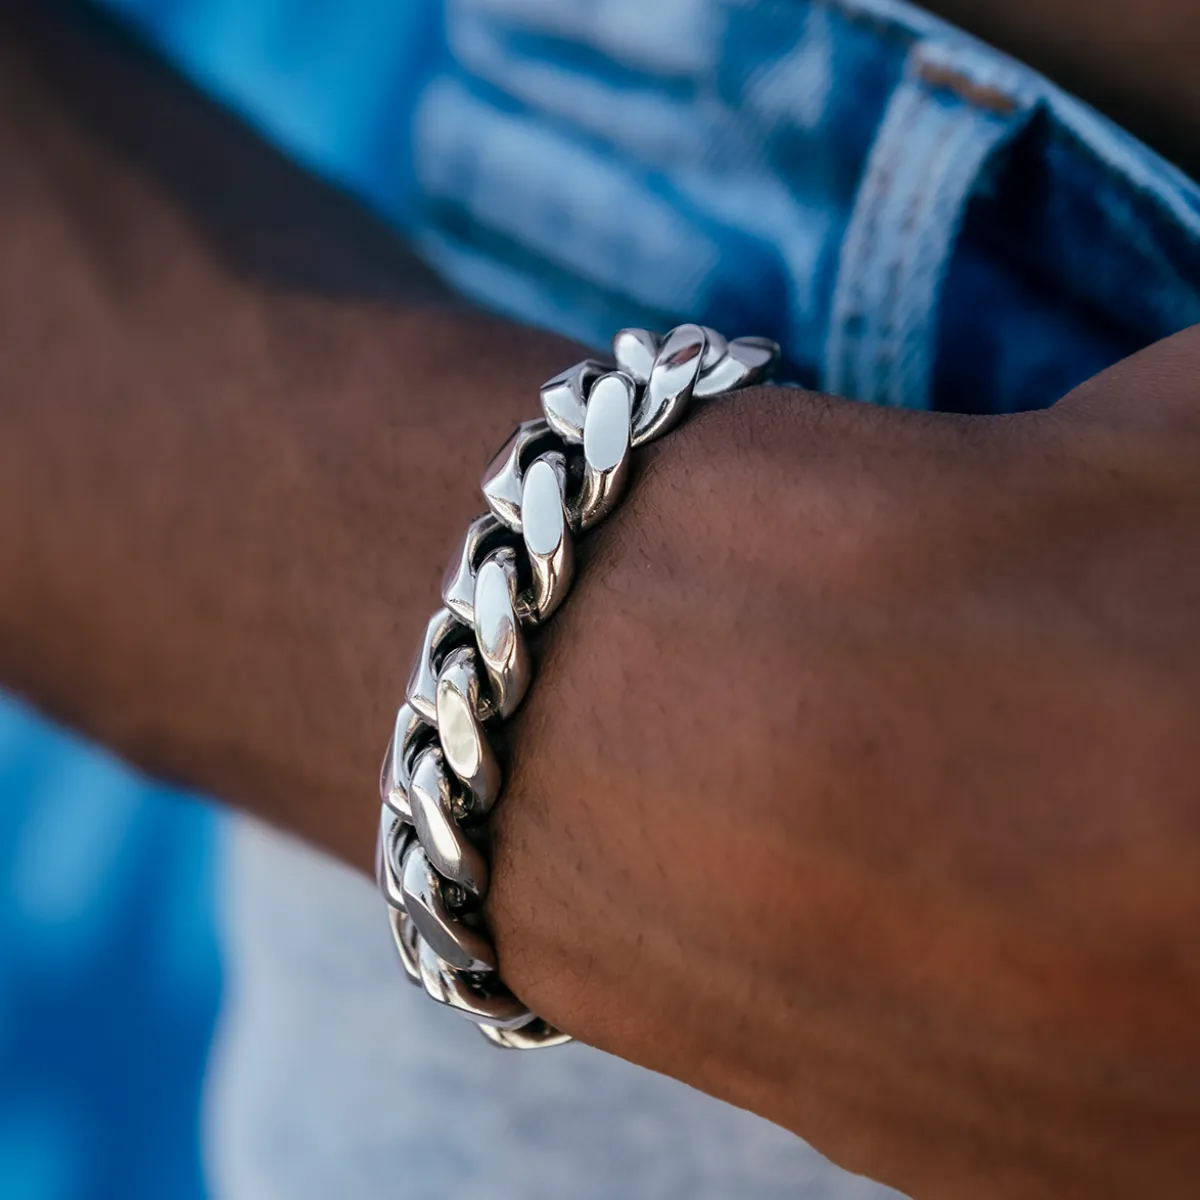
x,y
877,812
238,437
184,315
235,450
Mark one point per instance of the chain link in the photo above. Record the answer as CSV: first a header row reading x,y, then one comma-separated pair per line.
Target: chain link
x,y
555,478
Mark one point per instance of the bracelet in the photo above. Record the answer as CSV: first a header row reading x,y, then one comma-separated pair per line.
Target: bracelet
x,y
555,477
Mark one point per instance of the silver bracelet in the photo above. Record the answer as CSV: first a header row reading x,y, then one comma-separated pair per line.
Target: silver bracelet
x,y
554,478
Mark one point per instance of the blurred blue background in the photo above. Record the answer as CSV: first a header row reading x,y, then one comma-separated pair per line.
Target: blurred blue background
x,y
109,973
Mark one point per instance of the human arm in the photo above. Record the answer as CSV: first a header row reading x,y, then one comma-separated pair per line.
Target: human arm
x,y
796,810
1135,62
884,821
228,437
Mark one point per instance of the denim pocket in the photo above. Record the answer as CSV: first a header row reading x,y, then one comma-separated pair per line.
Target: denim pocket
x,y
1006,243
949,122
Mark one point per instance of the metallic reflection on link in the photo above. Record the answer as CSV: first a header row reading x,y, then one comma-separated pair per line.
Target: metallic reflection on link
x,y
453,940
421,692
498,633
559,474
460,729
458,584
606,448
394,836
444,840
407,940
672,378
565,399
548,541
503,479
487,1004
537,1035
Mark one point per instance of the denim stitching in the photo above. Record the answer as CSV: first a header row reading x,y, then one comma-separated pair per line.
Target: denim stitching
x,y
888,31
876,348
987,97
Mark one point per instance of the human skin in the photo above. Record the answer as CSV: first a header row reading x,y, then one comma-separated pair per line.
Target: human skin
x,y
859,785
1135,61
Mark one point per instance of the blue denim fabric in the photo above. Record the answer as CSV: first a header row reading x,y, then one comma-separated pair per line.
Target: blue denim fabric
x,y
918,220
109,974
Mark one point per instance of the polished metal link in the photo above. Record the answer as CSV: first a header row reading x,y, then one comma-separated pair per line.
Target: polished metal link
x,y
485,1001
436,812
565,399
410,732
497,610
460,716
458,587
555,478
408,943
607,447
394,838
537,1035
503,481
545,531
444,629
456,943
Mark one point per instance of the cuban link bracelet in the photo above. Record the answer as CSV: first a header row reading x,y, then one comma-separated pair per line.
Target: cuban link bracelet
x,y
555,478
